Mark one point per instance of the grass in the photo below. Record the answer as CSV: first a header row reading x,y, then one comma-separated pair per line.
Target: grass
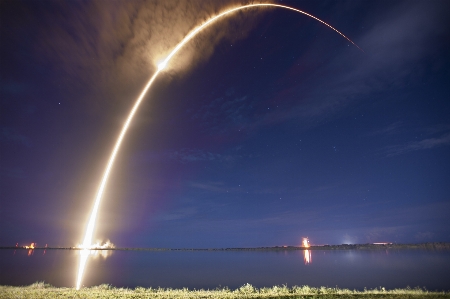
x,y
41,290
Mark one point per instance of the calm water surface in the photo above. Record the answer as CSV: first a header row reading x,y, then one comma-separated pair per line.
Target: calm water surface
x,y
354,269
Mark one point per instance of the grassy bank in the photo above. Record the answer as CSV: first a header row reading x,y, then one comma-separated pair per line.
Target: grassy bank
x,y
41,290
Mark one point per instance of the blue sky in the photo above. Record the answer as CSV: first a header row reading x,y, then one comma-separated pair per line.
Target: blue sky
x,y
267,128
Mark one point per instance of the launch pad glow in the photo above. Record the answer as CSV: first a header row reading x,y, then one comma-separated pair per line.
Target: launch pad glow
x,y
91,224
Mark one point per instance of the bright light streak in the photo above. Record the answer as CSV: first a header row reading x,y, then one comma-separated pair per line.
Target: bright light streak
x,y
90,227
162,65
83,259
305,242
97,245
307,258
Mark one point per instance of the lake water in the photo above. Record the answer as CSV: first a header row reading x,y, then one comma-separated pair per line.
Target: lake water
x,y
354,269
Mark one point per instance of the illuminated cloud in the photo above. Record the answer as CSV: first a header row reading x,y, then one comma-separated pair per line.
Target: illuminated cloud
x,y
423,144
187,156
398,49
113,47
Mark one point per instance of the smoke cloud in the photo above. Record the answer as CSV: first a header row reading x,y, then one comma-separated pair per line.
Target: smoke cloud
x,y
109,49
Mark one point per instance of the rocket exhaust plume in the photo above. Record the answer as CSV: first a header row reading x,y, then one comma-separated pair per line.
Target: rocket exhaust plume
x,y
305,242
91,224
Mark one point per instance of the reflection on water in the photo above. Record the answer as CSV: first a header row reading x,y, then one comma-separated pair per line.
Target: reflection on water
x,y
94,250
307,257
353,269
93,253
29,247
84,256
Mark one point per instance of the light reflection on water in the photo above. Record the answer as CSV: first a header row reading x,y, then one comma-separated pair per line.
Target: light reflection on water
x,y
98,253
307,256
354,269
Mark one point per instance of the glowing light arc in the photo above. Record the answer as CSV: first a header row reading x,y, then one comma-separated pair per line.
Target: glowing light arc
x,y
91,224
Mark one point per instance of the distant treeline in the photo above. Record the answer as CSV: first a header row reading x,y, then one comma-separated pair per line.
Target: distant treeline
x,y
428,246
432,246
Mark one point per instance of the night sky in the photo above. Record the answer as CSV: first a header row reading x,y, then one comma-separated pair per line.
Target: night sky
x,y
267,128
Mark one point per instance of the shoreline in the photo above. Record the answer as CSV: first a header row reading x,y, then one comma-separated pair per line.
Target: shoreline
x,y
369,246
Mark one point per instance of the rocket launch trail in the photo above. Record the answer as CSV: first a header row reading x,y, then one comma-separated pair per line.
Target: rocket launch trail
x,y
91,224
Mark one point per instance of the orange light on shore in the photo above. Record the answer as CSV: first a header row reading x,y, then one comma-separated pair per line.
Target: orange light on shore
x,y
30,248
97,249
305,242
96,246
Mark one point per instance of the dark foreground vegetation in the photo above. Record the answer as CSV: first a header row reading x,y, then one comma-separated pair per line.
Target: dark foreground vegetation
x,y
40,290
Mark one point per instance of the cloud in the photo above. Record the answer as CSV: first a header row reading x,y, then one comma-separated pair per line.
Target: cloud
x,y
210,186
111,48
185,156
436,129
400,45
396,49
189,156
391,129
224,112
424,144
